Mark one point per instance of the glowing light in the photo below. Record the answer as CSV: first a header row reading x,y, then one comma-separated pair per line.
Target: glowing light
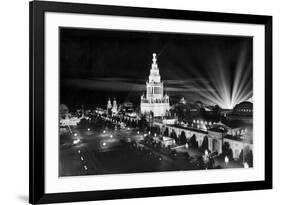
x,y
104,131
104,144
75,134
228,85
111,136
138,132
89,129
226,160
206,152
76,141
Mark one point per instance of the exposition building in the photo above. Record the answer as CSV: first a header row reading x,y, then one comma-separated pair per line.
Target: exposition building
x,y
155,101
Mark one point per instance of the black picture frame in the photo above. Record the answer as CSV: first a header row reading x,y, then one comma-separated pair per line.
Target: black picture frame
x,y
37,193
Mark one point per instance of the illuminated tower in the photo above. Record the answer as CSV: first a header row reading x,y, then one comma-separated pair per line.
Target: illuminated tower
x,y
155,101
114,107
109,106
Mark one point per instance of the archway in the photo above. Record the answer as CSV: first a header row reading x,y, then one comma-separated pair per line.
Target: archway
x,y
215,145
166,132
226,150
173,134
236,154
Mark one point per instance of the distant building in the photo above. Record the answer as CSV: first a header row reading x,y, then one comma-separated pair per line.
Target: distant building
x,y
155,101
66,119
72,121
127,107
182,101
244,108
243,112
235,134
114,107
109,105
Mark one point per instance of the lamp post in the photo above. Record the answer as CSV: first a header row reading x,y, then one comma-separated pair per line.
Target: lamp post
x,y
226,160
206,152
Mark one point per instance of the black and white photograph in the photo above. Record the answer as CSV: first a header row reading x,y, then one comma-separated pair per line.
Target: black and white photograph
x,y
142,101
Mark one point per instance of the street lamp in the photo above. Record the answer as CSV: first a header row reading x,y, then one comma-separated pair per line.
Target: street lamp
x,y
76,141
206,152
226,160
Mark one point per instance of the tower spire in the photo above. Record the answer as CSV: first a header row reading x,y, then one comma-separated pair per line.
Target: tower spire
x,y
154,101
154,59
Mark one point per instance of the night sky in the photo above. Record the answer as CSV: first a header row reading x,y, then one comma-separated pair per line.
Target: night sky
x,y
97,64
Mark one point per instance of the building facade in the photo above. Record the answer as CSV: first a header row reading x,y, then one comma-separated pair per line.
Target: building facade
x,y
155,101
216,137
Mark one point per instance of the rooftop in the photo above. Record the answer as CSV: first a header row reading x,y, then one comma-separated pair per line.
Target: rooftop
x,y
240,138
235,123
189,128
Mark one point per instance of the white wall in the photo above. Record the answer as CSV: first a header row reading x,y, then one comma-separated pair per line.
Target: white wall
x,y
14,99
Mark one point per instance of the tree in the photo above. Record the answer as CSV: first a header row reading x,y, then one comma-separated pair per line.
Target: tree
x,y
174,136
192,142
182,139
249,157
205,144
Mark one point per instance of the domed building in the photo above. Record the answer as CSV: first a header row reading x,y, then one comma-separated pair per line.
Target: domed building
x,y
243,108
243,112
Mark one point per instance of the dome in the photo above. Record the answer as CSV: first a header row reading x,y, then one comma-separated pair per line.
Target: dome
x,y
244,104
245,108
